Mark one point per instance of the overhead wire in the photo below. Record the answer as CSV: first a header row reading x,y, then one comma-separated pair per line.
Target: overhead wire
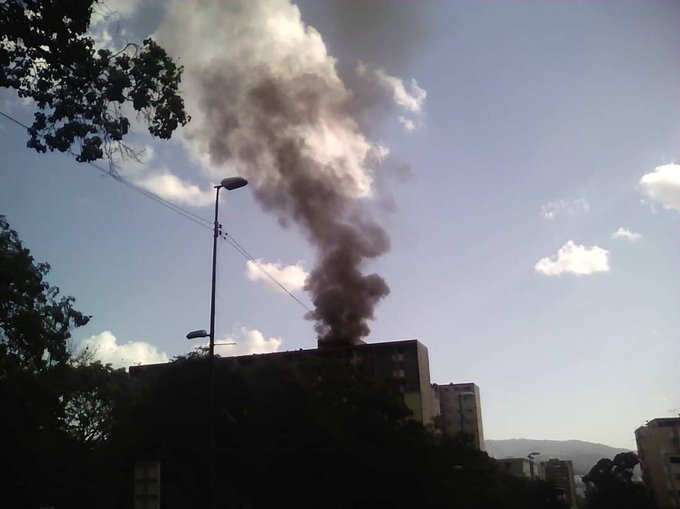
x,y
259,265
187,214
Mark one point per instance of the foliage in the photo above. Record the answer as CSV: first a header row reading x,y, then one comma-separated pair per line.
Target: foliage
x,y
303,431
35,321
80,91
57,410
610,484
90,395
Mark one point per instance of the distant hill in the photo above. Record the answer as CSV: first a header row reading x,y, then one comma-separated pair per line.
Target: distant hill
x,y
582,454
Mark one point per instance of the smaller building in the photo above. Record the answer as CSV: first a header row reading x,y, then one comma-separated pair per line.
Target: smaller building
x,y
658,445
521,467
561,474
460,411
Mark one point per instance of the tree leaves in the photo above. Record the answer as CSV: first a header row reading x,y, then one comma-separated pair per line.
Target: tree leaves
x,y
35,321
46,56
610,484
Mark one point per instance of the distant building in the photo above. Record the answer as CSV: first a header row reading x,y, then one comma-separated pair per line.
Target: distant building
x,y
658,445
561,474
521,467
460,411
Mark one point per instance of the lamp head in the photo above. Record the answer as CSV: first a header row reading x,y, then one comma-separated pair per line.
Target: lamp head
x,y
197,334
231,183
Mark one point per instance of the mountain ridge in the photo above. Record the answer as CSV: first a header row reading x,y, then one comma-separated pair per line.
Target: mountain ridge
x,y
582,454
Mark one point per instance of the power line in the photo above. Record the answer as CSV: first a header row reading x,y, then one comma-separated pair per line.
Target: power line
x,y
257,263
153,196
187,214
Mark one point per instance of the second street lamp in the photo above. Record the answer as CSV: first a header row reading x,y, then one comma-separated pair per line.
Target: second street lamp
x,y
531,463
229,183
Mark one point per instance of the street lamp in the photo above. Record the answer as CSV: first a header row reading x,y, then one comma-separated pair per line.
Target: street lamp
x,y
531,462
229,183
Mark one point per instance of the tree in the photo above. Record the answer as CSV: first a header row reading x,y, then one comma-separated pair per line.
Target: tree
x,y
91,395
55,411
80,91
306,431
35,321
610,484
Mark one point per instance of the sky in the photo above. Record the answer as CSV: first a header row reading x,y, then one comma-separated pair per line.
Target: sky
x,y
522,157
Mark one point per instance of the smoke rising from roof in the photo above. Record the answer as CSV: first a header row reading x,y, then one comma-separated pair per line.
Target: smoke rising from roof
x,y
266,100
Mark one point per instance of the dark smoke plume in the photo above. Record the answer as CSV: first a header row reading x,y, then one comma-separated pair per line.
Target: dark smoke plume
x,y
268,102
301,190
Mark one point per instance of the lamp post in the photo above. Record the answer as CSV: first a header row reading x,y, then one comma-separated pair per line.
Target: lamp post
x,y
531,462
229,183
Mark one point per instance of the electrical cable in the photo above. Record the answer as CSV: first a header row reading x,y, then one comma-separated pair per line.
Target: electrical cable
x,y
259,265
187,214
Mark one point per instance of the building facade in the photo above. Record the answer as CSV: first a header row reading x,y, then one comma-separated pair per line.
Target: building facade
x,y
658,445
406,364
402,365
460,411
521,467
561,474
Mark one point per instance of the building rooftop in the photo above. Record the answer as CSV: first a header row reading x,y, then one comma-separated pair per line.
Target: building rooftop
x,y
662,422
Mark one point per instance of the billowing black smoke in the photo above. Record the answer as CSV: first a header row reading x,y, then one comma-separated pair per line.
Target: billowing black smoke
x,y
271,127
266,102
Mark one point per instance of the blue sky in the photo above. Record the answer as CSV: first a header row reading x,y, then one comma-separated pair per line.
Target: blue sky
x,y
533,133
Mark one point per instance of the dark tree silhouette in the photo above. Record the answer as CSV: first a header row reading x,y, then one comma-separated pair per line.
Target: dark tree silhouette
x,y
35,321
56,411
47,56
610,484
307,432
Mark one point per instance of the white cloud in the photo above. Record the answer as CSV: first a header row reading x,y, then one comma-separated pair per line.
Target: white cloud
x,y
624,233
409,125
565,207
574,259
169,186
105,348
410,98
248,341
291,276
663,185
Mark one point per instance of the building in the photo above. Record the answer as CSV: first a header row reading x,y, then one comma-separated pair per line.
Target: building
x,y
460,411
403,365
521,467
658,445
407,365
561,474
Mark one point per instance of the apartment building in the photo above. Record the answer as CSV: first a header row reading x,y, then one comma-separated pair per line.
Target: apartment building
x,y
460,411
561,474
658,444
